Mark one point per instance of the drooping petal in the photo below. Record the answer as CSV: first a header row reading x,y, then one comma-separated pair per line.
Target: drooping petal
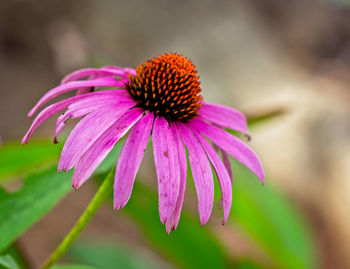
x,y
131,71
83,107
167,166
94,73
84,90
100,82
54,108
224,116
231,145
225,160
86,132
202,174
128,70
173,221
96,153
227,164
87,72
130,159
221,172
109,96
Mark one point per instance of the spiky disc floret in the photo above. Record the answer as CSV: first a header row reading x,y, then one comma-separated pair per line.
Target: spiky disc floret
x,y
168,86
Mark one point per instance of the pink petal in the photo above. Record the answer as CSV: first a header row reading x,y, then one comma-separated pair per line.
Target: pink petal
x,y
96,153
85,90
109,97
100,82
221,172
227,164
85,106
128,70
87,72
224,116
202,174
225,160
173,221
167,166
131,71
130,159
231,145
60,125
86,132
54,108
91,89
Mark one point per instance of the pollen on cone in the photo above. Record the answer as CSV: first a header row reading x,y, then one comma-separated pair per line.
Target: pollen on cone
x,y
168,86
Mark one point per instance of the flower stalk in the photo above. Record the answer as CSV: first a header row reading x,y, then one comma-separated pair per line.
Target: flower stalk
x,y
101,195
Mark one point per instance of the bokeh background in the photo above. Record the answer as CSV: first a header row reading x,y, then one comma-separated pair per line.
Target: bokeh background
x,y
285,58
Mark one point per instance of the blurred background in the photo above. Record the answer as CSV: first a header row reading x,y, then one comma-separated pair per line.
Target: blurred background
x,y
290,59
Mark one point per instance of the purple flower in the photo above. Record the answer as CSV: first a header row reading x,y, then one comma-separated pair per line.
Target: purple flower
x,y
162,98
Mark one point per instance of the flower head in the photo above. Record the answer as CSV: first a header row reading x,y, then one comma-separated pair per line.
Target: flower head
x,y
159,98
168,86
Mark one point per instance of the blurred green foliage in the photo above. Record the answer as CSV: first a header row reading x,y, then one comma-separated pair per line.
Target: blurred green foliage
x,y
268,218
21,209
16,159
105,255
7,262
73,266
16,255
266,116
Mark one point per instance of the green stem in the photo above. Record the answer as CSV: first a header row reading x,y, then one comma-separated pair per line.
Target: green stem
x,y
100,196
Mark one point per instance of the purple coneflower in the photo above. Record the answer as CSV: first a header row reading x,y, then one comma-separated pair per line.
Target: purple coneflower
x,y
162,98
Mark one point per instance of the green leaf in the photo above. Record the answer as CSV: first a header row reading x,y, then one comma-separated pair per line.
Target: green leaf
x,y
15,252
246,264
73,266
272,221
7,262
17,159
21,209
262,117
190,246
106,255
